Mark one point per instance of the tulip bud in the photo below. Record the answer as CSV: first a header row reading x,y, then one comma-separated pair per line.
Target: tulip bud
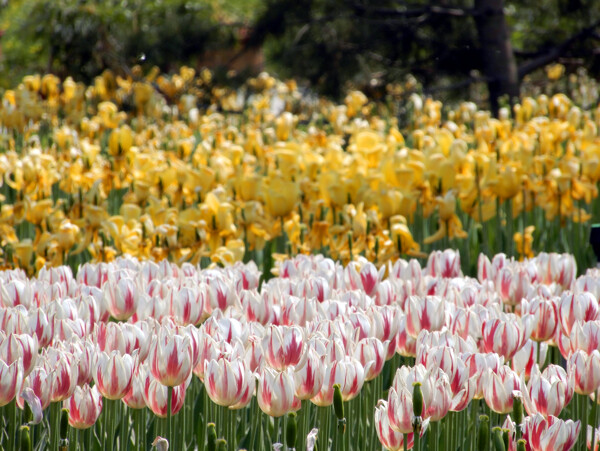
x,y
518,410
221,444
64,424
27,414
291,430
521,445
497,439
338,402
24,438
506,437
417,399
211,437
483,434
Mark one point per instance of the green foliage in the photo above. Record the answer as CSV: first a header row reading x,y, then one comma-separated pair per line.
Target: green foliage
x,y
82,38
333,43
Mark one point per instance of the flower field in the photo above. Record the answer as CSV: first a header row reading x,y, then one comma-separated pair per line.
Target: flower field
x,y
198,267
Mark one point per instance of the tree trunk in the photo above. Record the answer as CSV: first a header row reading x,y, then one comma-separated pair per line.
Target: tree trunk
x,y
499,65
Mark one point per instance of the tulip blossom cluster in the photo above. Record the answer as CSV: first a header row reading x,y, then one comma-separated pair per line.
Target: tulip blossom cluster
x,y
137,331
135,165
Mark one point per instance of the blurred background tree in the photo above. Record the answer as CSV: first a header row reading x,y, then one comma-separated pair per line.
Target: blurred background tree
x,y
448,45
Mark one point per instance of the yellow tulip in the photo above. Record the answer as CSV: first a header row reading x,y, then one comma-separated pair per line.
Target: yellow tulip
x,y
120,141
67,235
402,237
38,211
524,243
280,196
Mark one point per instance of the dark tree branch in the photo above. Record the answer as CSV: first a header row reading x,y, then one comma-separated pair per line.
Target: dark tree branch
x,y
407,10
557,51
457,85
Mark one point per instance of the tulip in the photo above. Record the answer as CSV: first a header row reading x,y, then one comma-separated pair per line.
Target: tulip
x,y
33,403
406,345
135,396
11,378
368,279
586,369
228,383
550,434
576,307
282,346
505,335
121,297
348,373
308,375
41,326
389,438
114,374
85,406
558,268
592,435
499,389
209,349
160,443
399,408
280,196
424,313
275,393
111,337
371,350
171,358
63,373
462,387
221,293
547,393
40,384
512,284
444,264
83,355
156,394
434,386
585,336
255,307
478,365
487,270
21,346
545,318
531,354
385,323
16,292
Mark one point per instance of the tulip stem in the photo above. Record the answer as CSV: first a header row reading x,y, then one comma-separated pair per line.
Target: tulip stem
x,y
12,415
405,442
509,226
169,413
584,415
595,418
54,424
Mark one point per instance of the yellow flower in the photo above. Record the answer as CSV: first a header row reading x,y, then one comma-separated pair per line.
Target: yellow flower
x,y
38,211
524,243
24,253
449,223
120,141
401,236
555,71
232,252
280,196
507,183
67,235
109,115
